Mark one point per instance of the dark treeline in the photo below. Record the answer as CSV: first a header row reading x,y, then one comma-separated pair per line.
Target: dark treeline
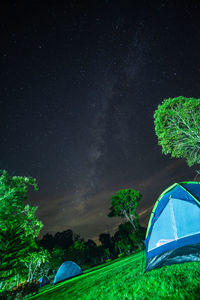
x,y
24,258
67,245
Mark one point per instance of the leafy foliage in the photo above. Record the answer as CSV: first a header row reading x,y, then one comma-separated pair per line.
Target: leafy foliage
x,y
124,204
77,251
177,126
127,239
33,261
57,256
12,248
18,223
24,289
13,195
67,245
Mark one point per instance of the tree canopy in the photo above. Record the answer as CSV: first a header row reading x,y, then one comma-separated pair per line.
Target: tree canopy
x,y
18,223
12,248
124,204
177,126
13,195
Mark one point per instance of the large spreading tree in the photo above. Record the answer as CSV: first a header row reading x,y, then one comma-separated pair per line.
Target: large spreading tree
x,y
124,204
18,223
177,126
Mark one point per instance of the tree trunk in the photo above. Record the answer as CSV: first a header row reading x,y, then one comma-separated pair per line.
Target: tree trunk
x,y
29,273
129,219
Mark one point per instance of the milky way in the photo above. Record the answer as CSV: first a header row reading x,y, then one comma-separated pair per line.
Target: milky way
x,y
80,81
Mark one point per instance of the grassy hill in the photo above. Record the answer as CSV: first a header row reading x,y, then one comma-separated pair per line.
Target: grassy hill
x,y
124,279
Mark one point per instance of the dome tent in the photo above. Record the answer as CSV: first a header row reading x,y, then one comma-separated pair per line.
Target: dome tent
x,y
44,280
67,270
173,233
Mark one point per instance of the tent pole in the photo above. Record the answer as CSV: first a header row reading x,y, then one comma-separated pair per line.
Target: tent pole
x,y
143,262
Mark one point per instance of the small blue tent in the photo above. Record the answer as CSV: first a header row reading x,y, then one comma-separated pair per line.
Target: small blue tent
x,y
67,270
44,280
173,233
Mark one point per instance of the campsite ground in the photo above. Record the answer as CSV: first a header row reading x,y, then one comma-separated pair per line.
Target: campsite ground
x,y
124,279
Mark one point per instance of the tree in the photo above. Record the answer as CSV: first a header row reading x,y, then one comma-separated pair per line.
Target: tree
x,y
105,240
47,242
107,253
107,243
13,195
33,261
57,256
64,239
91,254
12,248
177,126
123,246
18,223
77,251
124,204
126,238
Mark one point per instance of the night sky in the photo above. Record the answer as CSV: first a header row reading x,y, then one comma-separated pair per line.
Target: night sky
x,y
79,83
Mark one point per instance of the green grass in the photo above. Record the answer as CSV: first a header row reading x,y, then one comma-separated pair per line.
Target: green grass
x,y
124,279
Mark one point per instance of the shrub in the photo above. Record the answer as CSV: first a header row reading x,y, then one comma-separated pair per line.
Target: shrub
x,y
25,288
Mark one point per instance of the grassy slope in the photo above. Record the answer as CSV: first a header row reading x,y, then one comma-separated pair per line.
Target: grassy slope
x,y
123,279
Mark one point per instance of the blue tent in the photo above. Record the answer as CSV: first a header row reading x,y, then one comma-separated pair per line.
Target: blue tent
x,y
173,233
67,270
44,280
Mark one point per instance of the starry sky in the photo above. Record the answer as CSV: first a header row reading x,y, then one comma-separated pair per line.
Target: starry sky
x,y
79,83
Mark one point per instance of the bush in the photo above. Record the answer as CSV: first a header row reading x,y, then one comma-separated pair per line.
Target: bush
x,y
25,288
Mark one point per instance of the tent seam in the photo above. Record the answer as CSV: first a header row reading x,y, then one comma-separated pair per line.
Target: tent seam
x,y
186,190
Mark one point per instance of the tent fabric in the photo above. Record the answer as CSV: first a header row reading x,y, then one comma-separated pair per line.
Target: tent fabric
x,y
175,256
67,270
174,223
44,280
